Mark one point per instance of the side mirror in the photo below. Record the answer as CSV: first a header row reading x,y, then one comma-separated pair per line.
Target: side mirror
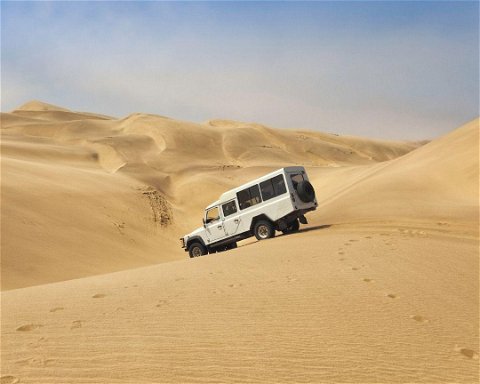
x,y
203,221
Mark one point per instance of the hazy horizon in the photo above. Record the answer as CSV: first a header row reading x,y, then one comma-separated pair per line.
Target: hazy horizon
x,y
395,70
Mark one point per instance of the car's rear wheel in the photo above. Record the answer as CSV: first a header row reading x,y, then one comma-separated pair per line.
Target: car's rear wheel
x,y
197,249
264,230
293,227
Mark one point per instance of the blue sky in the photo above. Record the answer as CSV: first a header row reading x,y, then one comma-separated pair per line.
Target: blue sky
x,y
406,70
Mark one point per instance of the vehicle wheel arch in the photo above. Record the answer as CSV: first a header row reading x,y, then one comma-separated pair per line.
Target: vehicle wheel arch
x,y
258,218
195,239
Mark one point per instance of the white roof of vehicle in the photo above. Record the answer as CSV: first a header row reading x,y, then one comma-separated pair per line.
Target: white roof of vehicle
x,y
232,193
214,204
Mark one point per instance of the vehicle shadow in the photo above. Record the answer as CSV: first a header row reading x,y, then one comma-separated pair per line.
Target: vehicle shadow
x,y
308,229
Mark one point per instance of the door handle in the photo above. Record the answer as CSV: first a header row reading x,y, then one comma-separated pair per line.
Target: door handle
x,y
219,227
236,221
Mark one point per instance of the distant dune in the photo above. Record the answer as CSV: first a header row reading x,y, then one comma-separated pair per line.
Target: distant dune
x,y
108,181
436,182
381,285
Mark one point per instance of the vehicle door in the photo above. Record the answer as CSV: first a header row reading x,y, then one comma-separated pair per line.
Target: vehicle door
x,y
231,214
214,225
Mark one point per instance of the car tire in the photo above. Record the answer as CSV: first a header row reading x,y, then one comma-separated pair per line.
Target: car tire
x,y
306,192
263,230
197,249
292,227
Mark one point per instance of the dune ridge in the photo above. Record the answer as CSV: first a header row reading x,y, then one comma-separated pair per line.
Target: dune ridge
x,y
438,181
59,165
380,287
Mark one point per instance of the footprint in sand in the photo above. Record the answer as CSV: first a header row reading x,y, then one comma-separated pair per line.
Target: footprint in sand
x,y
469,353
120,227
352,240
341,259
235,285
76,324
57,309
368,280
391,295
35,362
420,319
99,296
291,279
29,327
8,379
161,303
368,237
37,343
355,268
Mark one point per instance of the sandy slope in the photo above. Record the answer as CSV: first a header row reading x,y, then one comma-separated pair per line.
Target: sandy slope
x,y
86,194
337,304
381,286
435,183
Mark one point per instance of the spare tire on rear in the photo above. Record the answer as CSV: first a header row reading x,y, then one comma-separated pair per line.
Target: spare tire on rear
x,y
305,191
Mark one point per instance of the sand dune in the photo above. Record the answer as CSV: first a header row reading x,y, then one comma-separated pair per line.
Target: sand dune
x,y
381,286
66,172
326,305
437,182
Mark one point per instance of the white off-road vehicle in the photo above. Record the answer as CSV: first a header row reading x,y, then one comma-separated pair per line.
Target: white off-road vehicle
x,y
275,202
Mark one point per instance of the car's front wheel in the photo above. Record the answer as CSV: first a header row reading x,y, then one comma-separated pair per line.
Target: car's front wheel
x,y
263,230
197,249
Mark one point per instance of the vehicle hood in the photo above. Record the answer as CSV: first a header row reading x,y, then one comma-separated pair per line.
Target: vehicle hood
x,y
195,232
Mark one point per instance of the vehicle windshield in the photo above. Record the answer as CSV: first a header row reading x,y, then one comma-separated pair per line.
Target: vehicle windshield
x,y
213,214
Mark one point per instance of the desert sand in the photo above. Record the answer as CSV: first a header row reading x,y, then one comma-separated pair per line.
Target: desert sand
x,y
381,285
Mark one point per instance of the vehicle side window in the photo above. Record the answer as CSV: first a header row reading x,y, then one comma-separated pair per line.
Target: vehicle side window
x,y
267,190
273,187
279,185
229,208
213,215
249,197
